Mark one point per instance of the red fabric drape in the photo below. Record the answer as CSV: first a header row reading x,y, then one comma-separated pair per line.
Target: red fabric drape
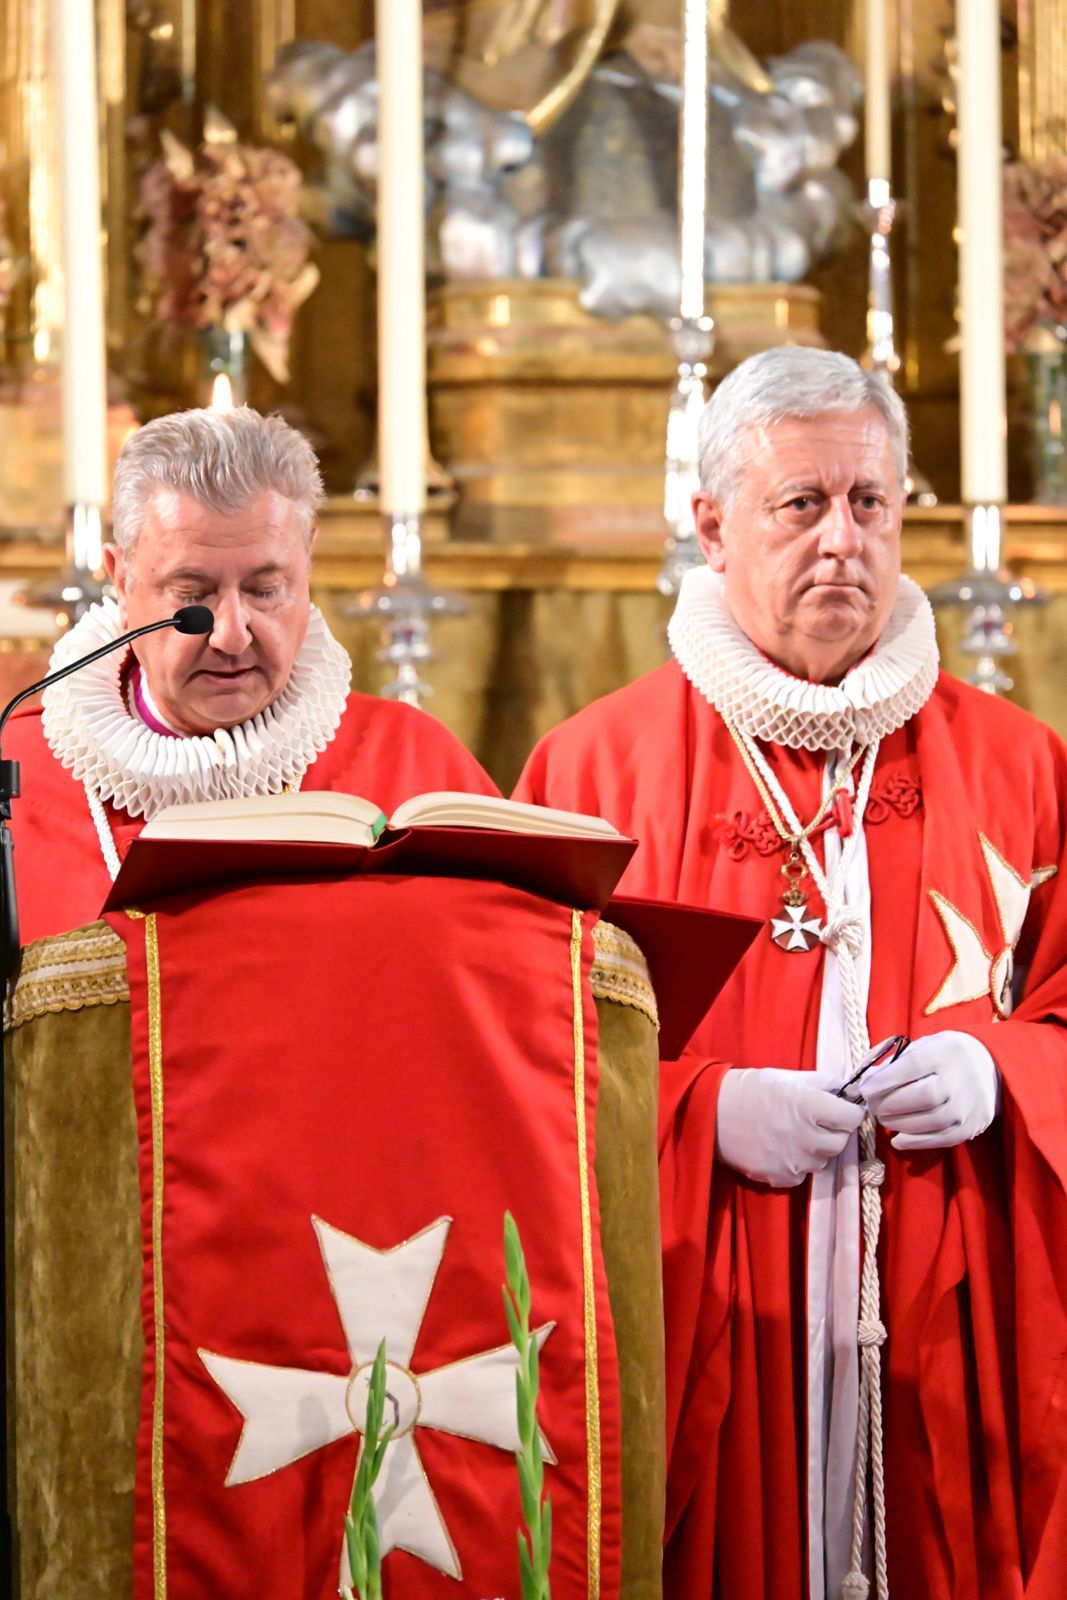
x,y
378,1054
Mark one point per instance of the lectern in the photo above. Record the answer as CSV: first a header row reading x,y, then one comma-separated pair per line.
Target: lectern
x,y
255,1130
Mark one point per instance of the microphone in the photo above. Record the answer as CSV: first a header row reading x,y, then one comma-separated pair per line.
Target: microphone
x,y
190,620
187,619
193,619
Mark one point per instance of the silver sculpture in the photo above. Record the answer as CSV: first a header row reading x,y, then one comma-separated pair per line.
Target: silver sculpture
x,y
472,226
593,197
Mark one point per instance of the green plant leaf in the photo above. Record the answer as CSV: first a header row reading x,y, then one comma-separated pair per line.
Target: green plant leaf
x,y
524,1408
531,1588
514,1263
533,1380
361,1522
535,1548
514,1328
531,1505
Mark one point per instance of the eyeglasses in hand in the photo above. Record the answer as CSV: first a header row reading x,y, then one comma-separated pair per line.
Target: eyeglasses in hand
x,y
889,1050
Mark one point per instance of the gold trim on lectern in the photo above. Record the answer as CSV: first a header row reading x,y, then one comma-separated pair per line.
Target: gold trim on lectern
x,y
155,1076
592,1389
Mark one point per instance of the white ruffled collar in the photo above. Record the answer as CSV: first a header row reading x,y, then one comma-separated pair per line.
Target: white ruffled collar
x,y
90,729
878,696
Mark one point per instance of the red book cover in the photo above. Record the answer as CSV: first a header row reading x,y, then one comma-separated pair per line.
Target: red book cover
x,y
571,871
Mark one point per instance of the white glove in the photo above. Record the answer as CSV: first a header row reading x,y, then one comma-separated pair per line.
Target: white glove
x,y
778,1126
942,1090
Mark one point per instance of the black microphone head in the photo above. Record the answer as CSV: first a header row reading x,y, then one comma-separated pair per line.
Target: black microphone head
x,y
194,619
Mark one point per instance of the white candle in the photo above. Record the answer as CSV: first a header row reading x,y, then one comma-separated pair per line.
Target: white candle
x,y
981,299
693,159
73,45
877,92
401,272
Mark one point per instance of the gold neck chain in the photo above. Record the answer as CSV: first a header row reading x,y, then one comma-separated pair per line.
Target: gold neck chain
x,y
839,786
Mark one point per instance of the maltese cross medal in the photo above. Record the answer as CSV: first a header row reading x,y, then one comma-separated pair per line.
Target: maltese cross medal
x,y
795,930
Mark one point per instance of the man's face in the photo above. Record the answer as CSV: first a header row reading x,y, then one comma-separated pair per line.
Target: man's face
x,y
251,568
810,543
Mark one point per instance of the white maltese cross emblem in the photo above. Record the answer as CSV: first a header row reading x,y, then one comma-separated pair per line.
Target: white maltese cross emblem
x,y
797,929
289,1411
976,971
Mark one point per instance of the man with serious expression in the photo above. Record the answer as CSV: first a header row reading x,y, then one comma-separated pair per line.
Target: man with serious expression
x,y
808,539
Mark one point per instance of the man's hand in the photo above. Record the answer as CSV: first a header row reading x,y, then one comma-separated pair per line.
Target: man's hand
x,y
778,1126
941,1091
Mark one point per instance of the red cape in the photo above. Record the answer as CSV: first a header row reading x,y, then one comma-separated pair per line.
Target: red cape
x,y
973,1251
383,751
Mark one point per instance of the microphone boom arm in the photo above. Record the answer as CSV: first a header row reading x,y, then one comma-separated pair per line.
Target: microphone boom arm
x,y
187,619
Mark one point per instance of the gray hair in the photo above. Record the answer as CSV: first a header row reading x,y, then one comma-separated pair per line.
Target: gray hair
x,y
221,459
790,381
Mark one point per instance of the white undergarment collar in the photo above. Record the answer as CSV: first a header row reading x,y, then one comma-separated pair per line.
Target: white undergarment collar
x,y
89,727
875,698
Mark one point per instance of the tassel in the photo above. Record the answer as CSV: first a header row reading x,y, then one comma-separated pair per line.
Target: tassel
x,y
842,811
855,1586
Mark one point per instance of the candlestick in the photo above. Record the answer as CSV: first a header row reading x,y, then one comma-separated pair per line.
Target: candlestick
x,y
989,592
693,158
692,339
401,271
881,337
877,94
404,601
73,56
692,333
981,294
986,587
72,60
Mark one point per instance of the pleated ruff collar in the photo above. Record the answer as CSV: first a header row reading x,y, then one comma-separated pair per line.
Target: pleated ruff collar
x,y
91,730
875,698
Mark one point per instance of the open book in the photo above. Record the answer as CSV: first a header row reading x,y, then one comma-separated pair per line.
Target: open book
x,y
326,817
217,844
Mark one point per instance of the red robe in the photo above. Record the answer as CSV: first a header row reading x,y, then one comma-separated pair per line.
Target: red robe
x,y
383,751
973,1250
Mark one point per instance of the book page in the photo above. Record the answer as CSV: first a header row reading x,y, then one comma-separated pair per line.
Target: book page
x,y
319,816
451,809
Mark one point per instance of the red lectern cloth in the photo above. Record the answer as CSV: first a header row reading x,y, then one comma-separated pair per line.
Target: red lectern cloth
x,y
324,1073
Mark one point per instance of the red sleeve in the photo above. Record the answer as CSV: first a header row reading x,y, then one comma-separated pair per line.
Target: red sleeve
x,y
584,765
440,761
695,1220
1030,1050
548,780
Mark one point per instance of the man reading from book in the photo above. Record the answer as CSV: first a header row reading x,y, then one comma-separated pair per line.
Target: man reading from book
x,y
864,1299
214,508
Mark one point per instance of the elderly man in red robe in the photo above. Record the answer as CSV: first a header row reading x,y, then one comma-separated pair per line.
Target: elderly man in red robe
x,y
865,1290
216,508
